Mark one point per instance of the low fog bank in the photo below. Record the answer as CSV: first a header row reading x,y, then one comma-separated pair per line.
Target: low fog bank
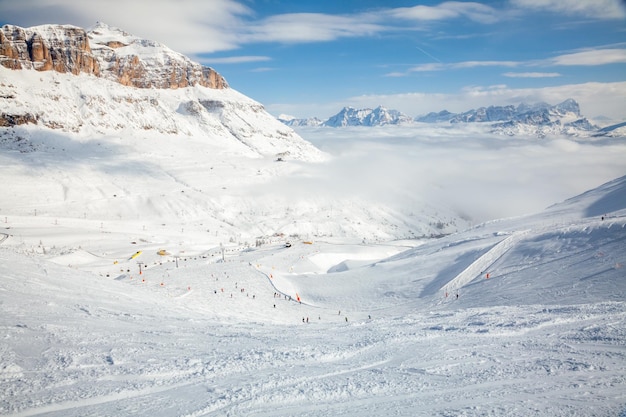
x,y
477,174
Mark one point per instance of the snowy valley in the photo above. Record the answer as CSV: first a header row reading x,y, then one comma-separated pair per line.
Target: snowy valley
x,y
180,252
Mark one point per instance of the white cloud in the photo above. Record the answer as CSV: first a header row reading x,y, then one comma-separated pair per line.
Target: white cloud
x,y
591,57
599,9
594,57
531,74
198,26
474,172
475,64
447,10
439,66
309,27
432,66
189,27
237,59
263,69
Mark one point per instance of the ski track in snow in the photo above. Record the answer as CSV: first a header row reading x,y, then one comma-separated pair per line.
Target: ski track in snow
x,y
214,327
91,345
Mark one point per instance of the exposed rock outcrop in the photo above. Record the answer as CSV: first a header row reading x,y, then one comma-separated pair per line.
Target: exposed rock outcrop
x,y
44,48
122,60
103,51
9,120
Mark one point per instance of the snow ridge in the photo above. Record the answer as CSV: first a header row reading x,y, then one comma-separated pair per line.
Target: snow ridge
x,y
482,264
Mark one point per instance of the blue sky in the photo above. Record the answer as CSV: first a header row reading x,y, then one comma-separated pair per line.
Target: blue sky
x,y
310,58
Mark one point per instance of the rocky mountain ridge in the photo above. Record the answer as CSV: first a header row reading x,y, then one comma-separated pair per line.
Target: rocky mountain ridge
x,y
104,52
539,119
380,116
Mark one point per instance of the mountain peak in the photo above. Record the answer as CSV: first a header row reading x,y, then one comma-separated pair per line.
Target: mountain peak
x,y
350,116
568,106
104,51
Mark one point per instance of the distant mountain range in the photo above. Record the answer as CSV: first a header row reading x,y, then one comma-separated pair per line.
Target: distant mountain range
x,y
539,119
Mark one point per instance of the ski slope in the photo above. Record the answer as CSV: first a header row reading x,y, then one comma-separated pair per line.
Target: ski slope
x,y
213,331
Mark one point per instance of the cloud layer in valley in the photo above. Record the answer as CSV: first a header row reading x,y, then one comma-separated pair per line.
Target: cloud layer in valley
x,y
479,175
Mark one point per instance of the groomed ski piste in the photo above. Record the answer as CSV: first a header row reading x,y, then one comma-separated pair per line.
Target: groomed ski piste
x,y
516,317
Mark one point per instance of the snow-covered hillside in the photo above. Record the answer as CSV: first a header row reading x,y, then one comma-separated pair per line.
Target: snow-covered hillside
x,y
88,107
524,316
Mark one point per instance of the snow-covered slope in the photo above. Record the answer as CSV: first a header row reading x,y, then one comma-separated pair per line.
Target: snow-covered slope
x,y
320,327
87,107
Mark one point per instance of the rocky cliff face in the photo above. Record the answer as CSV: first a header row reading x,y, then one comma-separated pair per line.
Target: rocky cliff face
x,y
47,48
103,51
141,63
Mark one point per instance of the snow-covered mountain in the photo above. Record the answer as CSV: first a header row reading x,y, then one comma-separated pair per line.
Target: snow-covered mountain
x,y
538,113
539,119
102,51
380,116
350,116
295,122
106,81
